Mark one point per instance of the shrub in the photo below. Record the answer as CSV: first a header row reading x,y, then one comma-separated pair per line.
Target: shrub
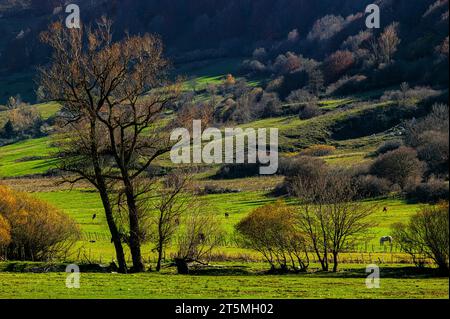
x,y
309,111
369,186
269,105
319,150
253,66
434,150
432,191
306,168
301,96
39,231
25,121
347,85
271,231
287,63
236,170
388,146
302,166
337,64
437,120
407,95
201,233
429,136
214,189
400,166
326,27
426,236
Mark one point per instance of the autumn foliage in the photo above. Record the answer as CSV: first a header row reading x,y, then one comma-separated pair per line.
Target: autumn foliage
x,y
272,231
31,229
337,64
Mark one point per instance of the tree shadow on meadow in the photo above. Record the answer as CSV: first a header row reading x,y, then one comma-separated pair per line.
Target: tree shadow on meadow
x,y
385,272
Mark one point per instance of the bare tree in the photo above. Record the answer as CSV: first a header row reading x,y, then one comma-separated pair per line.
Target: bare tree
x,y
384,48
330,217
113,95
172,203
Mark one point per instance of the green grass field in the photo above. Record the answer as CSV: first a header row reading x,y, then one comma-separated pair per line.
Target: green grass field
x,y
239,283
234,280
82,204
26,158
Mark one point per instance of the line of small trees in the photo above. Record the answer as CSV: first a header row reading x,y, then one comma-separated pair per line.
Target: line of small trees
x,y
286,236
326,221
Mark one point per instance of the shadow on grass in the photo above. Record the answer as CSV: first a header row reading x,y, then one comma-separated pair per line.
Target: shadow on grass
x,y
221,271
385,272
238,270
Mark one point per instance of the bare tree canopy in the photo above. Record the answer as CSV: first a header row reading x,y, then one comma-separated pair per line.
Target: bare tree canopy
x,y
329,215
113,95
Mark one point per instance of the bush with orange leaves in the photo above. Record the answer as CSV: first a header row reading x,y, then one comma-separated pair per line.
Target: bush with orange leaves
x,y
272,230
31,229
5,236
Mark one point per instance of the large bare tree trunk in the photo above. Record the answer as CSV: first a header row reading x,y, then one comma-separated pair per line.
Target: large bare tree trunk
x,y
335,261
159,248
160,253
182,266
135,241
103,190
114,233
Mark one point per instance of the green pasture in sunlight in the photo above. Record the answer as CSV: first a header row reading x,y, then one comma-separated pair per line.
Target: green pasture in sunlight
x,y
26,158
95,244
232,282
47,110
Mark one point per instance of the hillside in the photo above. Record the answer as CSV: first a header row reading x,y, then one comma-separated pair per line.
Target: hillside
x,y
218,29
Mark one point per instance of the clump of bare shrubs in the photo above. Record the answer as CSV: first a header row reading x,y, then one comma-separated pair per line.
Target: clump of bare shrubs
x,y
201,233
431,191
304,167
430,137
400,166
31,229
370,186
426,236
388,146
309,111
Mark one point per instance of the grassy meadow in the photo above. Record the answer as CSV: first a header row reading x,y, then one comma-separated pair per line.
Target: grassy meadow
x,y
232,286
234,272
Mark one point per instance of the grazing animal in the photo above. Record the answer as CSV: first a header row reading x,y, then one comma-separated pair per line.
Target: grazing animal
x,y
227,215
94,216
385,239
385,210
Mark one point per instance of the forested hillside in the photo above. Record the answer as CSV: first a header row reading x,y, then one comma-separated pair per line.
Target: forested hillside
x,y
205,29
